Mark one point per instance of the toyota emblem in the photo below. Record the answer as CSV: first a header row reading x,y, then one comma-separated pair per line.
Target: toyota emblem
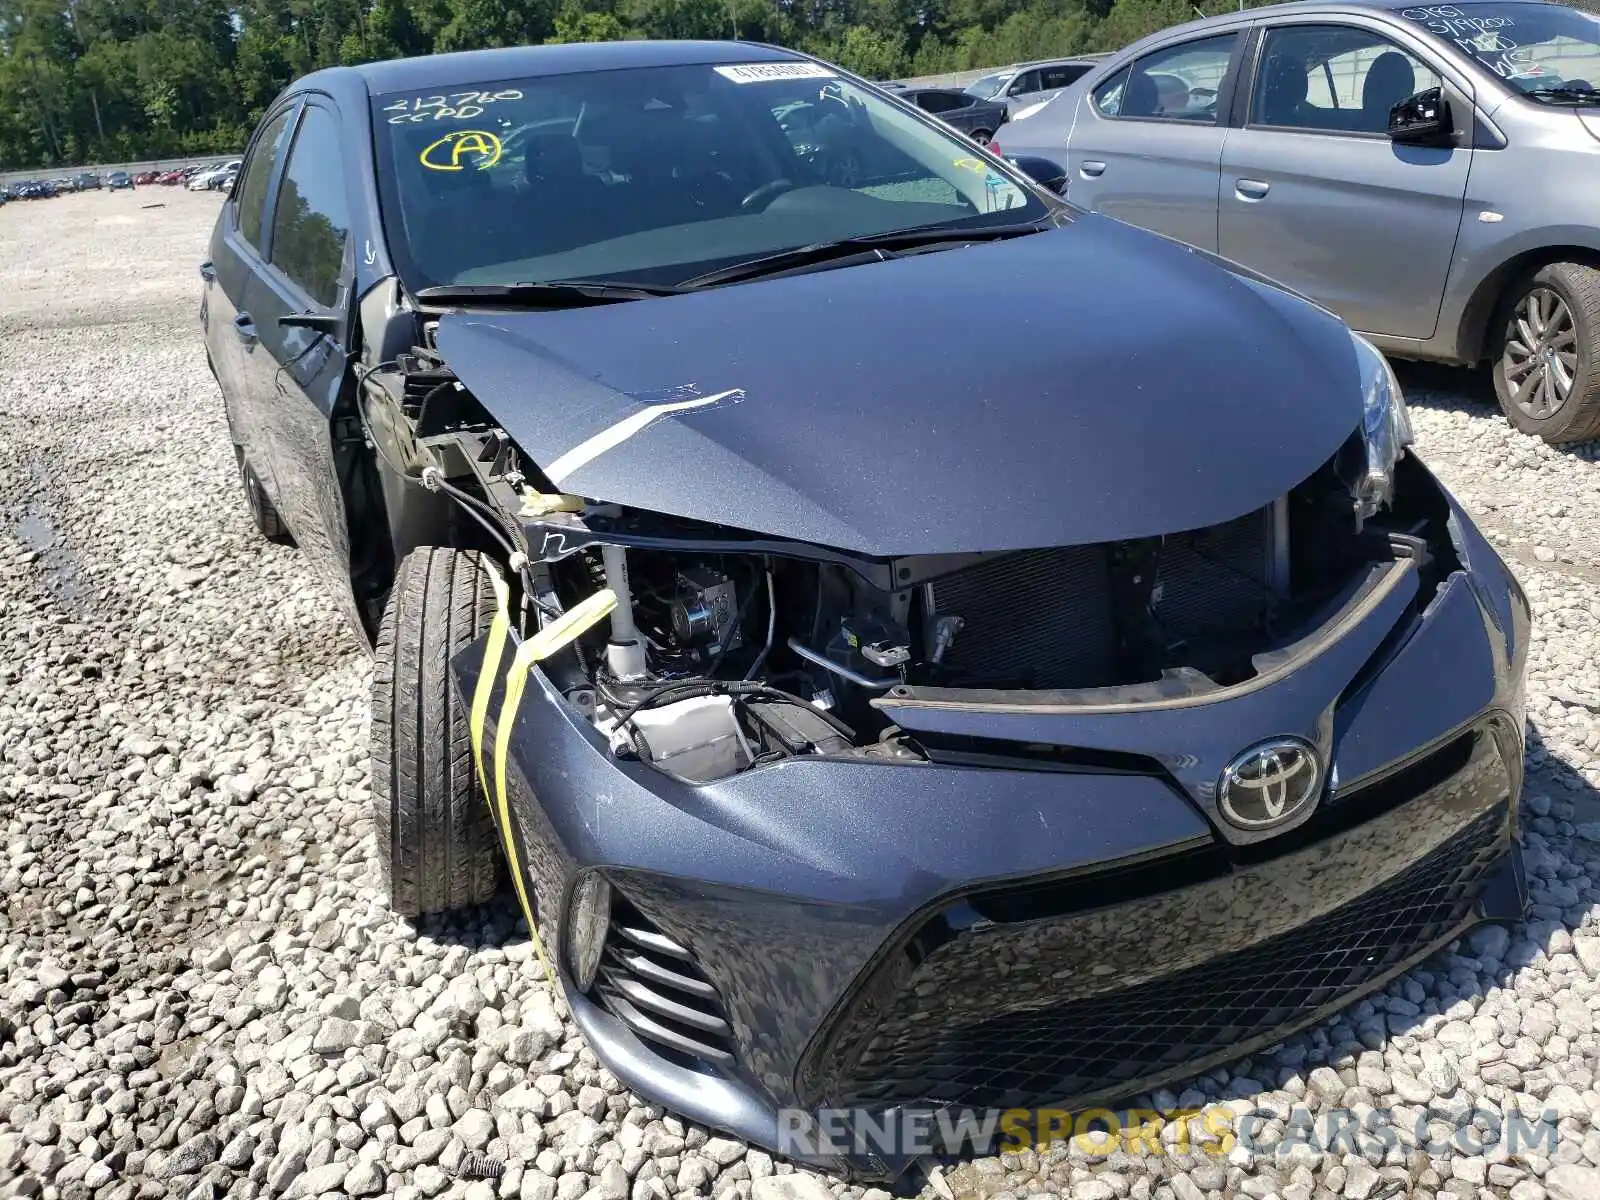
x,y
1270,784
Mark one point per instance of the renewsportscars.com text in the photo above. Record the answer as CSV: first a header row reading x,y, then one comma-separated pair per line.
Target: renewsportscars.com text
x,y
1218,1130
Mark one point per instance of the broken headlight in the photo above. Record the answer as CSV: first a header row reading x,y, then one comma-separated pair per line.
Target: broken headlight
x,y
1385,428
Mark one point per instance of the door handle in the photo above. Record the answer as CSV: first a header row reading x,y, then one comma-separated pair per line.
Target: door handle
x,y
1251,189
246,329
208,271
1090,169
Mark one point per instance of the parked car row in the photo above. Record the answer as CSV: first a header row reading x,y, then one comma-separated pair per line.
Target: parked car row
x,y
197,177
43,189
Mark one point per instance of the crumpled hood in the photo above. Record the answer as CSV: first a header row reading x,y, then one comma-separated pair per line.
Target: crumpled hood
x,y
1090,384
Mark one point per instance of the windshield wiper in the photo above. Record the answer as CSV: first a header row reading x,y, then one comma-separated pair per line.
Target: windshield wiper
x,y
882,245
1565,92
556,293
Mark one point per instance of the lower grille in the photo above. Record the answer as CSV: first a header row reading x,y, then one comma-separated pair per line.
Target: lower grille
x,y
1048,618
652,984
1089,1047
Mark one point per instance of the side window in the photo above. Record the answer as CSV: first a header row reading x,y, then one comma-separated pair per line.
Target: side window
x,y
1027,82
257,173
312,220
1175,83
937,102
1333,79
1060,77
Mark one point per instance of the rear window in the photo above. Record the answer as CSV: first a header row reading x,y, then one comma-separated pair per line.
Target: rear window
x,y
658,174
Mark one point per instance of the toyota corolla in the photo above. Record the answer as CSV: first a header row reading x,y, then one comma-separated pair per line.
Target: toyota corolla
x,y
860,721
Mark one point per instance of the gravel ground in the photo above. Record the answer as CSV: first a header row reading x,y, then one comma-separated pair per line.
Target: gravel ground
x,y
201,993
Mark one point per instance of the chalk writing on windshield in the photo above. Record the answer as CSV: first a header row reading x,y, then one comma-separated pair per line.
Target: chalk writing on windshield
x,y
455,106
1483,37
479,148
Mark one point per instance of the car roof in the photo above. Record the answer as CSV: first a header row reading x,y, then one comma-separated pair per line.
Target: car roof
x,y
1328,7
469,68
1051,62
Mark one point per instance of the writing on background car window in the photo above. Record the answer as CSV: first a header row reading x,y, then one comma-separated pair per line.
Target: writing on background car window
x,y
1483,37
461,148
455,106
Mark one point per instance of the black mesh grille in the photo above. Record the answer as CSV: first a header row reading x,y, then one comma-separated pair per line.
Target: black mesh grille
x,y
1214,580
1048,618
1042,617
652,984
1091,1046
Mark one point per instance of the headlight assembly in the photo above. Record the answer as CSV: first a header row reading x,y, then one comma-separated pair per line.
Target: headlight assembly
x,y
1385,427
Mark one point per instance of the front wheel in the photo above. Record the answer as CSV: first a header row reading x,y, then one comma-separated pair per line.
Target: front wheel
x,y
436,841
1547,364
981,136
267,521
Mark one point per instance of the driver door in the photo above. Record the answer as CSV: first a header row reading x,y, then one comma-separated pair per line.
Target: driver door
x,y
1316,196
298,374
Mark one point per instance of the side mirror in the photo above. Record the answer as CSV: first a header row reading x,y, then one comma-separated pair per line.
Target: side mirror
x,y
1047,174
1422,120
327,323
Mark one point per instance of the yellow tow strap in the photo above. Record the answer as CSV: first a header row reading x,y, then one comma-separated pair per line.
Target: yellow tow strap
x,y
559,633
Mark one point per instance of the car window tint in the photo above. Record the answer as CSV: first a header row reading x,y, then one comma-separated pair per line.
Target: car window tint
x,y
1333,79
937,102
1027,82
1175,83
312,219
1108,96
1060,77
252,188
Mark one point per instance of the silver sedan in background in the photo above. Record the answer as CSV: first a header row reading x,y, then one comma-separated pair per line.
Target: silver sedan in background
x,y
1416,169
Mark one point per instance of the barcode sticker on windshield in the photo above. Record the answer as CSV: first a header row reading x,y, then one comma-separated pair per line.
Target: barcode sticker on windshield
x,y
772,72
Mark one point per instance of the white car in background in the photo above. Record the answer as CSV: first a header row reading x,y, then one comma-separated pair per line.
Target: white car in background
x,y
206,180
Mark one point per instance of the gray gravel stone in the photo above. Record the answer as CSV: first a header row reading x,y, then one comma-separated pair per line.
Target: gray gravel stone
x,y
199,1152
1572,1181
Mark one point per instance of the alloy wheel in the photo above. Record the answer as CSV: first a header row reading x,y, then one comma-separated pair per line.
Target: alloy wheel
x,y
1540,359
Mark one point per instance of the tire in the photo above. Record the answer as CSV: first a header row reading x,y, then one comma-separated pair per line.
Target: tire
x,y
981,136
437,846
1548,332
266,518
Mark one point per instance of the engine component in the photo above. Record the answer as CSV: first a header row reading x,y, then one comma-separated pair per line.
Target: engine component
x,y
842,671
706,612
943,633
796,728
625,650
698,739
870,640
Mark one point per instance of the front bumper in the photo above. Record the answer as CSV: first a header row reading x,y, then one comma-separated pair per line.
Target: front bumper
x,y
830,934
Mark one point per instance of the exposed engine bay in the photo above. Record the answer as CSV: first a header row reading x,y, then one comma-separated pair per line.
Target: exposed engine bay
x,y
727,651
